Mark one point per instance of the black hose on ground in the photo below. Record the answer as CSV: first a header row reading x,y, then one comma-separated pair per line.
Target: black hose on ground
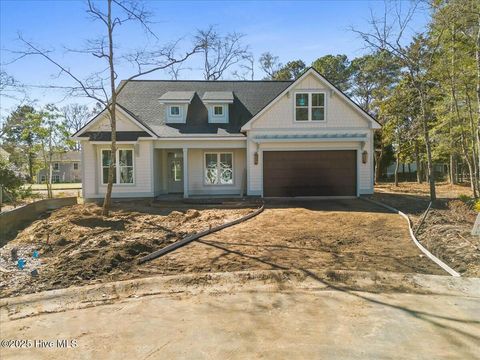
x,y
190,238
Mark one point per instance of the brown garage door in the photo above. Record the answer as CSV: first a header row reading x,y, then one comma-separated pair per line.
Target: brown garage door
x,y
310,173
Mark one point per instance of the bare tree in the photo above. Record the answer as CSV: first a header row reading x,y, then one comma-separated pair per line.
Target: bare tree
x,y
11,88
75,117
388,34
246,70
220,52
102,85
269,64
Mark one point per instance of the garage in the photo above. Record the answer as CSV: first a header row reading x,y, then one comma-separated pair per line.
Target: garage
x,y
310,173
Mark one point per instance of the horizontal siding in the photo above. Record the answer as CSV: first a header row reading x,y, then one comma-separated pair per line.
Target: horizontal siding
x,y
123,124
143,172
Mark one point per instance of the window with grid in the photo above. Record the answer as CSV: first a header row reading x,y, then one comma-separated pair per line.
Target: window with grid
x,y
219,168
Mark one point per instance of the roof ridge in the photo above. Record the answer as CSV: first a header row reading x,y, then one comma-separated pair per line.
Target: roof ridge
x,y
209,81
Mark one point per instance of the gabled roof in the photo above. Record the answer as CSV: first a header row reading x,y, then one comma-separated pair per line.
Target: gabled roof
x,y
84,133
144,102
373,122
141,98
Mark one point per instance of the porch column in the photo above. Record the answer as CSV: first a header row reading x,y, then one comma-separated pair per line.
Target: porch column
x,y
185,172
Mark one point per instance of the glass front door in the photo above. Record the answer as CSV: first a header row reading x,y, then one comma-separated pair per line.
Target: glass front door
x,y
175,172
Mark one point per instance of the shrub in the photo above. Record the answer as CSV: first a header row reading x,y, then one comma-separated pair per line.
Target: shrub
x,y
476,207
11,182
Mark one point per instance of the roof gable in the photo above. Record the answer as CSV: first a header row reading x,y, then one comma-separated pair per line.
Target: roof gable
x,y
141,98
329,86
125,118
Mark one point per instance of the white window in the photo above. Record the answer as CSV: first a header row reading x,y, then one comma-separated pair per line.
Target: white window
x,y
75,166
175,111
219,168
310,106
55,166
43,178
55,179
218,113
123,167
218,110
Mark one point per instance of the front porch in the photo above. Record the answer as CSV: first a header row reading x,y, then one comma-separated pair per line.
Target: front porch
x,y
199,172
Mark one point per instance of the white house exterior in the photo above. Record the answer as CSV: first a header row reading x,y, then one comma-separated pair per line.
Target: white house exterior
x,y
260,138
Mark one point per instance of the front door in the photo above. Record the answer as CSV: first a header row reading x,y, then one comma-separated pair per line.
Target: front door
x,y
175,172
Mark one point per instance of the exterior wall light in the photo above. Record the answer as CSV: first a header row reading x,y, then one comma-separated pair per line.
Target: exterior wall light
x,y
255,158
364,157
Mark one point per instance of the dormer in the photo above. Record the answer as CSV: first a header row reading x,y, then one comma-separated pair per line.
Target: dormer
x,y
176,105
217,103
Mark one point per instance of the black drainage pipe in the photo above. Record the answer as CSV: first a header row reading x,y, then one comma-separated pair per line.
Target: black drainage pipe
x,y
193,237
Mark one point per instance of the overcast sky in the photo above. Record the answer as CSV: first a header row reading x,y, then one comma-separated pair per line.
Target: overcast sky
x,y
290,30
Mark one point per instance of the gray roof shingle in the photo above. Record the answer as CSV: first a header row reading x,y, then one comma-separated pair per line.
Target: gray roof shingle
x,y
141,99
218,96
177,96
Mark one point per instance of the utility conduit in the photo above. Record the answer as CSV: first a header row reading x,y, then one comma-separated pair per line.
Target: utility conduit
x,y
193,237
412,235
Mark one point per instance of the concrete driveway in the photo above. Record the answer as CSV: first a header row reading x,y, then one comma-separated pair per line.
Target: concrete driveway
x,y
341,234
252,316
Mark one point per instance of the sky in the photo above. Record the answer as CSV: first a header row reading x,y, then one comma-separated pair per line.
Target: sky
x,y
288,29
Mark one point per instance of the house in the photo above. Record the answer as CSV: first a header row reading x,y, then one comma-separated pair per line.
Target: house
x,y
262,138
66,168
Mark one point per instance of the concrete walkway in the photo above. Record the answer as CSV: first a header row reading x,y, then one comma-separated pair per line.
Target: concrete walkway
x,y
279,316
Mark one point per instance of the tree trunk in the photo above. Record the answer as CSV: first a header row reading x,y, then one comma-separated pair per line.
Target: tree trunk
x,y
397,163
378,160
418,164
428,148
475,140
112,112
31,160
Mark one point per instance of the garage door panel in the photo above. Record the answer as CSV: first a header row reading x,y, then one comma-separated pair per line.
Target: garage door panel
x,y
309,173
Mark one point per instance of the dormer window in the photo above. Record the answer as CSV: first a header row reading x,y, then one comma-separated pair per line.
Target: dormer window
x,y
174,110
218,110
217,103
176,106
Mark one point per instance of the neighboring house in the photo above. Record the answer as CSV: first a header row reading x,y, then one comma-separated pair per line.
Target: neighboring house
x,y
66,168
411,168
263,138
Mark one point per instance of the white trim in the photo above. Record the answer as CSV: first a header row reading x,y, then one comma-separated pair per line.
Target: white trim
x,y
185,172
117,167
373,123
206,137
109,142
182,101
100,116
218,153
307,140
310,106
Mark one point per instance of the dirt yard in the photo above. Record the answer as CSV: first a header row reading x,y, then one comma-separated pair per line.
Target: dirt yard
x,y
341,234
446,231
76,245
